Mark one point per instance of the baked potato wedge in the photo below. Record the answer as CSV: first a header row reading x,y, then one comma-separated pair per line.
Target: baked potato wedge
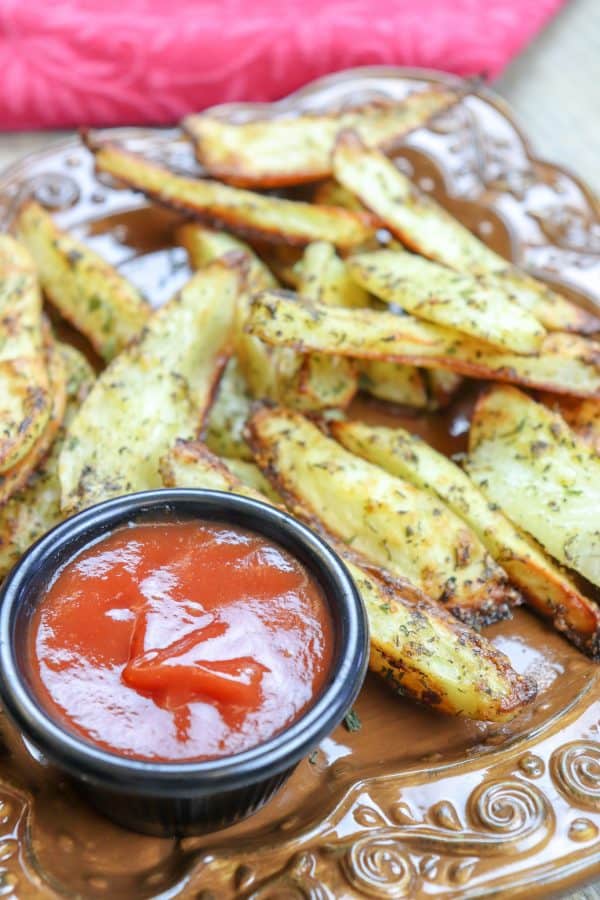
x,y
526,459
158,389
420,650
285,221
284,151
226,420
35,508
15,478
545,586
394,382
442,385
311,382
438,294
583,416
203,245
25,401
565,363
322,382
332,193
324,277
87,291
387,520
425,226
192,464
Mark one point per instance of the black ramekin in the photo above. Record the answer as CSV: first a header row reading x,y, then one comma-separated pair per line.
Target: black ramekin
x,y
193,797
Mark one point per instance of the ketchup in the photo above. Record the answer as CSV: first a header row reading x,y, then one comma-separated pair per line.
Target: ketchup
x,y
179,641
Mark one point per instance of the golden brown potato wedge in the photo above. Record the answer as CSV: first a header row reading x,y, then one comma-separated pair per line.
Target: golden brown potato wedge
x,y
566,363
322,382
192,464
387,520
35,508
442,386
332,193
281,259
226,420
285,151
308,382
158,389
583,416
14,479
393,382
545,586
259,363
425,226
203,245
420,650
84,288
285,221
438,294
24,395
526,459
324,277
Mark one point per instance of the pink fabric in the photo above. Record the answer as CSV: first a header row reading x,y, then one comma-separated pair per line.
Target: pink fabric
x,y
109,62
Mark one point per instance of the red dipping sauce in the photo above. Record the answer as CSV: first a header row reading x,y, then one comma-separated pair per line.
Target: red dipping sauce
x,y
180,641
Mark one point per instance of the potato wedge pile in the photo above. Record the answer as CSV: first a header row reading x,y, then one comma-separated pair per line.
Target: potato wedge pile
x,y
239,385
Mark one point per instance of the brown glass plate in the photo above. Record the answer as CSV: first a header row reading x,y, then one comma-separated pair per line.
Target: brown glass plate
x,y
413,804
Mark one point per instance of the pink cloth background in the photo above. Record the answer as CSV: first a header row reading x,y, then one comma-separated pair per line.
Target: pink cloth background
x,y
85,62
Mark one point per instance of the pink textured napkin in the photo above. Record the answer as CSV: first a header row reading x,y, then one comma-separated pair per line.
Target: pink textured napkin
x,y
85,62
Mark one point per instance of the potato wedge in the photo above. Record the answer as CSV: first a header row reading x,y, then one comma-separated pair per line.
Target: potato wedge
x,y
14,479
425,226
224,431
442,386
565,364
387,520
544,585
35,508
583,416
24,392
438,294
526,459
191,464
281,259
84,288
158,389
322,382
203,245
332,193
310,382
276,152
285,221
324,277
393,382
420,650
258,363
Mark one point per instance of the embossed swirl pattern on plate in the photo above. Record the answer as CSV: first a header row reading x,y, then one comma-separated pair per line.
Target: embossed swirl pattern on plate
x,y
576,773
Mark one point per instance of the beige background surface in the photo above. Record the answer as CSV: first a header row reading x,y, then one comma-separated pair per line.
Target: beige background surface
x,y
554,87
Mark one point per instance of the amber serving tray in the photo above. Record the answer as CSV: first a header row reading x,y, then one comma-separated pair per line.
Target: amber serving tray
x,y
413,804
